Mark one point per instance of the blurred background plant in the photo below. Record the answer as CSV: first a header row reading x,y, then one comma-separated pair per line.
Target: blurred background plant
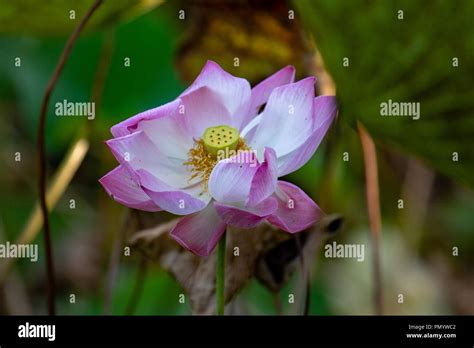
x,y
407,59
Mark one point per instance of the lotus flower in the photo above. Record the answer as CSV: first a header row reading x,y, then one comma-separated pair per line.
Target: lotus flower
x,y
214,156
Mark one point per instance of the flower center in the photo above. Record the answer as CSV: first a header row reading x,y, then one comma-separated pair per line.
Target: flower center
x,y
219,140
216,143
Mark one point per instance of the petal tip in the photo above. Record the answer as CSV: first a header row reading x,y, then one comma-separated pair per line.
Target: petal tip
x,y
309,79
289,68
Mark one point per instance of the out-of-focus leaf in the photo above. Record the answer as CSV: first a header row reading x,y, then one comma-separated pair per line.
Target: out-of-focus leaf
x,y
149,81
405,60
33,17
251,39
278,263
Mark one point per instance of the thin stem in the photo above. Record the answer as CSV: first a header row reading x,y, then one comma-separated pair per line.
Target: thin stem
x,y
220,275
114,262
59,183
277,303
373,209
305,274
70,162
102,71
137,287
42,156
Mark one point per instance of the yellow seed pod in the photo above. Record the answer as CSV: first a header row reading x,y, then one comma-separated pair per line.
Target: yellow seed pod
x,y
220,138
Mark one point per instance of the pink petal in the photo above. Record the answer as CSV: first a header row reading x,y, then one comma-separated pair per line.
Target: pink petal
x,y
169,133
262,91
325,109
232,180
165,181
176,201
137,151
245,217
233,92
203,108
130,125
296,211
286,122
199,232
264,181
250,129
120,185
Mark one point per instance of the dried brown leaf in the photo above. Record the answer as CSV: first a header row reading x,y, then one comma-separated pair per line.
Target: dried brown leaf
x,y
249,253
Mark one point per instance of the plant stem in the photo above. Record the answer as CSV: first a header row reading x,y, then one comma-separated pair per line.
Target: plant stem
x,y
114,261
40,146
373,209
305,275
220,275
137,287
59,183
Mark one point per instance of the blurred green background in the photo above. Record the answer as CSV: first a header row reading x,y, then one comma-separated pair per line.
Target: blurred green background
x,y
405,59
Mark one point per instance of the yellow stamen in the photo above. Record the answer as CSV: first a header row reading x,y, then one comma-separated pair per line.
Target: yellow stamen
x,y
202,161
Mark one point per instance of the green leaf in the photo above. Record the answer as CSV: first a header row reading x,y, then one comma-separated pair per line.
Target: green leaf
x,y
409,59
149,81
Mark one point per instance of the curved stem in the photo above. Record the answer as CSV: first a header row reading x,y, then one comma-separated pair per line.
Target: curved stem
x,y
373,209
42,156
220,275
